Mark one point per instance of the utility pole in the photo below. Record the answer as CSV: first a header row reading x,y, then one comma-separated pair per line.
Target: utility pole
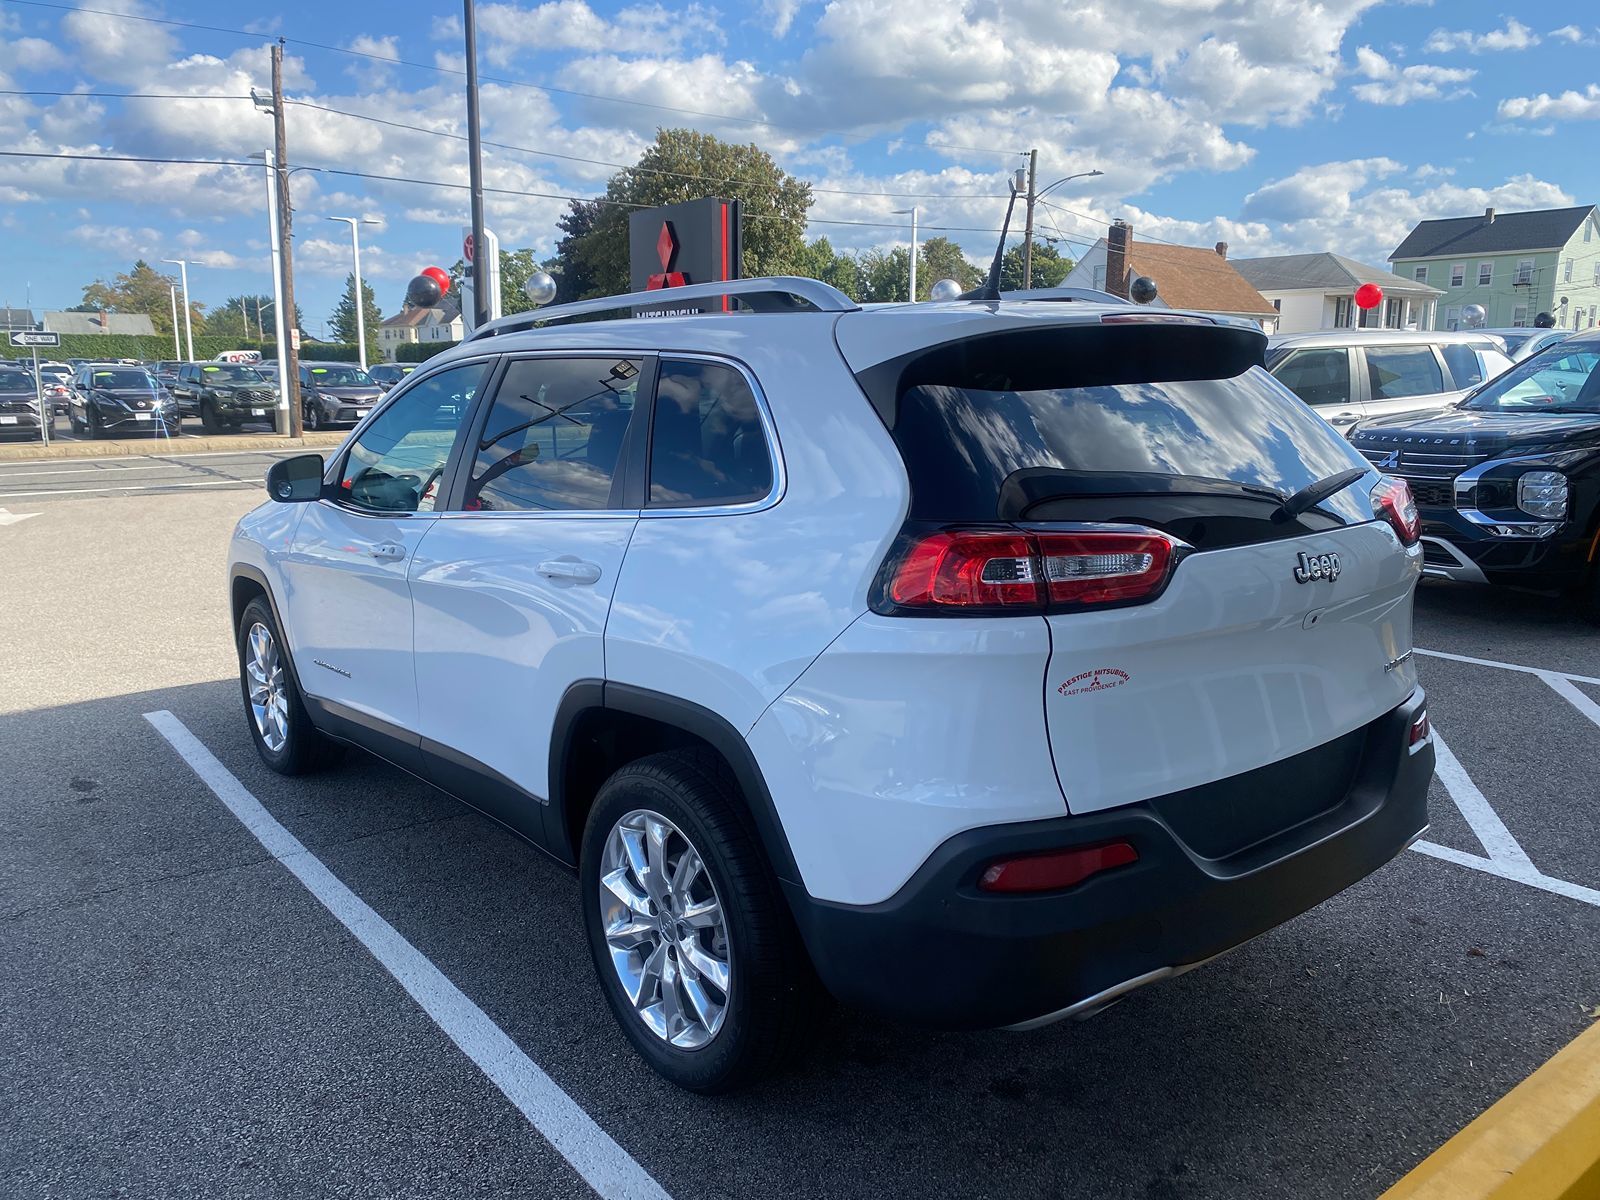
x,y
289,349
1027,233
480,256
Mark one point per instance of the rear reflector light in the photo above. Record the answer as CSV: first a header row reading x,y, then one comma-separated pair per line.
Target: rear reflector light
x,y
1391,497
1420,729
1151,318
1055,870
973,571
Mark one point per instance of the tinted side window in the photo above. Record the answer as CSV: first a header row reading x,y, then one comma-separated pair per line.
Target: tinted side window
x,y
1317,376
707,443
1464,364
1400,371
396,463
554,436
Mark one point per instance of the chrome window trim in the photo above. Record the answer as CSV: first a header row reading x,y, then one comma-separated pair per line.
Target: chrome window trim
x,y
769,428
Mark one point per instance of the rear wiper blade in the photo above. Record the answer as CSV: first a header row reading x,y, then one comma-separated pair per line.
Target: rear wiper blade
x,y
1314,494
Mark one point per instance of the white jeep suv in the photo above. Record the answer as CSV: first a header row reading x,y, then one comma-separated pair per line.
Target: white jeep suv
x,y
980,660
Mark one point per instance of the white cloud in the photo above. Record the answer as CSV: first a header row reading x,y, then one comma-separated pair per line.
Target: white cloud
x,y
1573,35
1394,85
110,48
780,15
369,71
1568,106
1515,36
509,33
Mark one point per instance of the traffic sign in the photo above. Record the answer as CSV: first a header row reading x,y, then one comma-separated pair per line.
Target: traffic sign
x,y
34,337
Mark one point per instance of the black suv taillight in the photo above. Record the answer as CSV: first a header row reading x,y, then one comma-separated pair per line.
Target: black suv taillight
x,y
981,571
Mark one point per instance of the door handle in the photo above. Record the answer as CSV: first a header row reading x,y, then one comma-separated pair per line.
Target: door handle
x,y
1345,418
572,570
387,551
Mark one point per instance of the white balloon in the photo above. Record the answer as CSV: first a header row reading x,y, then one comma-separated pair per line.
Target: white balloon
x,y
540,289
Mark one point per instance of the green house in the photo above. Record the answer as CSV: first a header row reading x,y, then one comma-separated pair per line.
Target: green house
x,y
1517,265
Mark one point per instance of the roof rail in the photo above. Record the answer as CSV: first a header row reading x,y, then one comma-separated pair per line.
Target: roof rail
x,y
778,293
1094,295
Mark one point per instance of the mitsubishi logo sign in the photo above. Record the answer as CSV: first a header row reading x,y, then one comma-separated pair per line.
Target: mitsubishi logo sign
x,y
666,252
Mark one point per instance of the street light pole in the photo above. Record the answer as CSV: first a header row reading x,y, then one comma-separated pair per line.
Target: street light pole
x,y
479,265
360,297
177,350
188,323
1033,198
912,212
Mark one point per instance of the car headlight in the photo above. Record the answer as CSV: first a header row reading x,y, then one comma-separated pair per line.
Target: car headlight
x,y
1543,494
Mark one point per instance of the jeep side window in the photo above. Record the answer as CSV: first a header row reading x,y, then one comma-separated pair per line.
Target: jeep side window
x,y
553,436
1464,364
395,465
707,443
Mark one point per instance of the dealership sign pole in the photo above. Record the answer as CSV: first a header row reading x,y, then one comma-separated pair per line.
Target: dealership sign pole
x,y
33,339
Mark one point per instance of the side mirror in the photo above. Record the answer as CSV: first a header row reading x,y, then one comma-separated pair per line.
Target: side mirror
x,y
296,480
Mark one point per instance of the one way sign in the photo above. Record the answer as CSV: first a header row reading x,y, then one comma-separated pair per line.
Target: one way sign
x,y
34,337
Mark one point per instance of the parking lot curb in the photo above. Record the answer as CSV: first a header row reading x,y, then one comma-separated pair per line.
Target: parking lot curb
x,y
1541,1141
199,445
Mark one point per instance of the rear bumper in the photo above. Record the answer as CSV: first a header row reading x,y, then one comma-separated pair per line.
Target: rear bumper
x,y
941,952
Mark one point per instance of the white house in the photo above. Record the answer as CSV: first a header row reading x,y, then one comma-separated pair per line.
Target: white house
x,y
1318,291
427,325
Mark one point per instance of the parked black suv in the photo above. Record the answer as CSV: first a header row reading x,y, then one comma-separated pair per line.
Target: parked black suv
x,y
336,393
112,398
1508,480
224,395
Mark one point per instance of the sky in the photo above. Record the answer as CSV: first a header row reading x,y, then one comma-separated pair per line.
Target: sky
x,y
1278,126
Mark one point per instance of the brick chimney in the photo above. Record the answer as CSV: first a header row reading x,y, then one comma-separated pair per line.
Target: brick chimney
x,y
1118,243
1488,216
1222,249
105,321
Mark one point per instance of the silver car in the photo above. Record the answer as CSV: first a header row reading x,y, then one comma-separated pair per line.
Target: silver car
x,y
1348,375
1524,341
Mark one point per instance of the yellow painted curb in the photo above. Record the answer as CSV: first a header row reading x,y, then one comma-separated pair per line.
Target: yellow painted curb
x,y
1541,1141
33,452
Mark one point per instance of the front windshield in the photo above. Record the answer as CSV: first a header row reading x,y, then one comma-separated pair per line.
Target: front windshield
x,y
341,376
231,373
15,381
1515,341
121,377
1558,380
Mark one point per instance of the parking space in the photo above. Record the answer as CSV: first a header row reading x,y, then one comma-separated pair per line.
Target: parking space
x,y
29,484
190,1015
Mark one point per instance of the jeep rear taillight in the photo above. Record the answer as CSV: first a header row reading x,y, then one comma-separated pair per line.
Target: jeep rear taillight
x,y
966,571
1391,497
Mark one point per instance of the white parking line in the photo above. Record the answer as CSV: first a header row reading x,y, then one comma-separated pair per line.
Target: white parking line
x,y
153,485
1505,666
607,1168
1507,859
1562,686
5,475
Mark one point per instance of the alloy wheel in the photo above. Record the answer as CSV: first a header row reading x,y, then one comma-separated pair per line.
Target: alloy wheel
x,y
269,699
665,929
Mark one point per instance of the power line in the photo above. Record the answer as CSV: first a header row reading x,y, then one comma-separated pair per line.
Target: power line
x,y
760,122
444,183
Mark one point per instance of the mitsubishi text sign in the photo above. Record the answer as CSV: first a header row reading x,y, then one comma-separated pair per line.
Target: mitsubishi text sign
x,y
694,242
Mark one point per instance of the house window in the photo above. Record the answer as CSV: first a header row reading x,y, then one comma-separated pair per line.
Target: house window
x,y
1341,312
1597,274
1485,274
1566,272
1452,317
1420,274
1524,272
1458,274
1391,314
1588,228
1277,306
1519,316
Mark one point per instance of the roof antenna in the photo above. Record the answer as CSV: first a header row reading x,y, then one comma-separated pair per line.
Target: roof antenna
x,y
990,288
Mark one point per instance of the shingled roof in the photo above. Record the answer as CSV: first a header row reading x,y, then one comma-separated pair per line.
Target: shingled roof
x,y
1542,229
1328,271
1191,277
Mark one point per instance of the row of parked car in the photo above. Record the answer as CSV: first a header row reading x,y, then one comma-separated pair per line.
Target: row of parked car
x,y
103,399
1497,433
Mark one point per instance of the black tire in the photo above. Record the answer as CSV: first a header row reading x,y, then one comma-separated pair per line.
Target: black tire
x,y
773,991
208,417
73,423
92,421
313,419
306,748
1589,596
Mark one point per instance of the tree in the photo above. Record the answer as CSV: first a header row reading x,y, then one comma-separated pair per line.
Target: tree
x,y
940,258
1049,267
686,165
249,317
574,279
141,290
885,274
342,321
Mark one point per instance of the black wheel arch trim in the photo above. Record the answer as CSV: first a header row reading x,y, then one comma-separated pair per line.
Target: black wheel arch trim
x,y
587,695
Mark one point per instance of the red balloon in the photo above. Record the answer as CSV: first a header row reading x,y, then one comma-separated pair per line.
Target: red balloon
x,y
440,276
1369,295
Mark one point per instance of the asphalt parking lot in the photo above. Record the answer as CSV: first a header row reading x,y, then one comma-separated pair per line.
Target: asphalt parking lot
x,y
185,1016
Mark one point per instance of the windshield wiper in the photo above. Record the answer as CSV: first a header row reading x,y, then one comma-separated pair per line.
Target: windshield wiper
x,y
1314,494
